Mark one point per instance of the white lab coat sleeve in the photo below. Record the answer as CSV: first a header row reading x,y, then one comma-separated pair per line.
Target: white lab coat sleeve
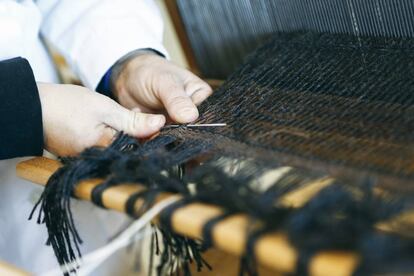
x,y
93,34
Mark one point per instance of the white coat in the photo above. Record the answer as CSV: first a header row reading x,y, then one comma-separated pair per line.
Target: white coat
x,y
91,35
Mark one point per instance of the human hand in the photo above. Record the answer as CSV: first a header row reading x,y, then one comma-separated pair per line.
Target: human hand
x,y
75,118
150,83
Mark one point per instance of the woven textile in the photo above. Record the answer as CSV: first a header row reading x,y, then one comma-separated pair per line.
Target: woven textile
x,y
324,105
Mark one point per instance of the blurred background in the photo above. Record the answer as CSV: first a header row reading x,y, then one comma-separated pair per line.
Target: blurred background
x,y
171,41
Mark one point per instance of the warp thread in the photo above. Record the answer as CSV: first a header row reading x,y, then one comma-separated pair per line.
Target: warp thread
x,y
222,33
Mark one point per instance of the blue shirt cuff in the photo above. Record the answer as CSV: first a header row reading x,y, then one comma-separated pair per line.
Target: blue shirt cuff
x,y
104,85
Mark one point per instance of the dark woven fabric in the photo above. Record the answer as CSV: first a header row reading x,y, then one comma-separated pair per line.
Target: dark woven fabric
x,y
325,105
321,98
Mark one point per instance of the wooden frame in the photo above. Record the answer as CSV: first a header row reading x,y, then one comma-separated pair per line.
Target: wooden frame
x,y
273,251
179,27
10,270
182,35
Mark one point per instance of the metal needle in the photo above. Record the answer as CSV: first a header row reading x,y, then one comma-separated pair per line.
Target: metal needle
x,y
196,125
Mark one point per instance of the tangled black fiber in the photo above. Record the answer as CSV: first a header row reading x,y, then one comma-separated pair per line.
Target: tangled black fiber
x,y
322,106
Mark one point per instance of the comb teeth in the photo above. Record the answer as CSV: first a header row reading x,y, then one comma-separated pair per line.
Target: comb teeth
x,y
223,32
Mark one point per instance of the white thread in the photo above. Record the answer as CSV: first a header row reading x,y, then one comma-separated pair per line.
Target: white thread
x,y
92,260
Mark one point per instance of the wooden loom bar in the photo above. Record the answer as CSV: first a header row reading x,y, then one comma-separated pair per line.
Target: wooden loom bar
x,y
182,35
10,270
272,250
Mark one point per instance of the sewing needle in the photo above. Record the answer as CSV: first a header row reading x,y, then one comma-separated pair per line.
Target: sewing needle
x,y
196,125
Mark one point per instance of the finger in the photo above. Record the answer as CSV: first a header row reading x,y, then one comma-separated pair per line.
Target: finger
x,y
137,124
126,100
107,137
198,90
130,102
141,108
178,104
199,96
196,85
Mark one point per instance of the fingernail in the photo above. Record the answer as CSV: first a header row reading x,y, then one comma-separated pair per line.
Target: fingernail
x,y
189,114
156,121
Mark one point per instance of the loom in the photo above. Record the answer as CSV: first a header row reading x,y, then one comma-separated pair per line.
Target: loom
x,y
323,108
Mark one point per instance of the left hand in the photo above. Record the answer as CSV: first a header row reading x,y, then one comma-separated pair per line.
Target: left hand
x,y
75,118
149,83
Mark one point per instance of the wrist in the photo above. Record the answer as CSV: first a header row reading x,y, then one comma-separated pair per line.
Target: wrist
x,y
43,89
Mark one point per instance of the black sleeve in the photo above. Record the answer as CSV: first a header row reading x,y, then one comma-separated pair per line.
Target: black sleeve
x,y
20,110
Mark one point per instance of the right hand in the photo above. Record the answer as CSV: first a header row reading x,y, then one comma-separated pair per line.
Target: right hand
x,y
152,83
75,118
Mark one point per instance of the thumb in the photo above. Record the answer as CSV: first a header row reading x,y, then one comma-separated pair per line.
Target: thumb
x,y
136,124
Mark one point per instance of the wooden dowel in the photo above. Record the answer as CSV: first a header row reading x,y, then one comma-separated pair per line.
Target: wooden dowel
x,y
179,27
272,250
10,270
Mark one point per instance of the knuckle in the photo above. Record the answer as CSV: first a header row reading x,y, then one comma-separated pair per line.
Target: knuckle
x,y
168,78
136,122
169,83
180,101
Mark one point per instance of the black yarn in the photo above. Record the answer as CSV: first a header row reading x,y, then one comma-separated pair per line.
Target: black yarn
x,y
183,249
130,203
178,253
396,259
207,231
248,262
166,215
63,236
154,249
326,106
96,194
